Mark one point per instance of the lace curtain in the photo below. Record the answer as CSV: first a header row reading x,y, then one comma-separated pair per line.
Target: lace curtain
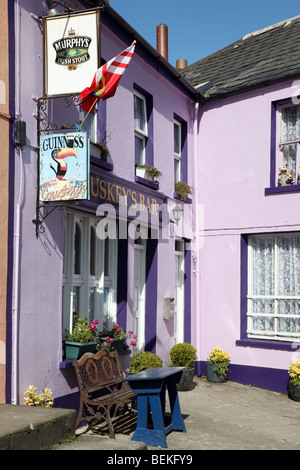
x,y
275,281
290,130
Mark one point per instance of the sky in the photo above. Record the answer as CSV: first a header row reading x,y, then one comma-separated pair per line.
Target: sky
x,y
198,28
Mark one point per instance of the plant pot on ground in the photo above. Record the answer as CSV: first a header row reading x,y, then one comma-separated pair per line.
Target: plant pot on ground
x,y
217,366
184,355
294,382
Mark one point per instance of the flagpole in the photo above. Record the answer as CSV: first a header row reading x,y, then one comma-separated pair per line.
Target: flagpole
x,y
89,110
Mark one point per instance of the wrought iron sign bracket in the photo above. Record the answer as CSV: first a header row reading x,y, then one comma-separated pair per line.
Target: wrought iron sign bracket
x,y
38,221
44,126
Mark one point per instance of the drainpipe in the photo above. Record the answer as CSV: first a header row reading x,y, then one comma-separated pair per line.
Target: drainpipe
x,y
197,245
16,267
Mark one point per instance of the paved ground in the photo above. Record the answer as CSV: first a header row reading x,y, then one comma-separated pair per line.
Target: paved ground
x,y
226,416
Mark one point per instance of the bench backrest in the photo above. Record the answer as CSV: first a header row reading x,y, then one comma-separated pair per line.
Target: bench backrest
x,y
95,371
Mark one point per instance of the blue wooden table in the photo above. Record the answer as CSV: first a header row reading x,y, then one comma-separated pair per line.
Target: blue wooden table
x,y
150,386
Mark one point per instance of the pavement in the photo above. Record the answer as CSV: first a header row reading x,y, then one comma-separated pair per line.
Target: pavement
x,y
217,416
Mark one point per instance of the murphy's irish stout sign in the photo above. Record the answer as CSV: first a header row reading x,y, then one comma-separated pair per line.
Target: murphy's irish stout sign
x,y
71,52
64,167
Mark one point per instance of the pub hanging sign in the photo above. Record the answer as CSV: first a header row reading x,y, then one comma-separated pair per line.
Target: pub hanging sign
x,y
64,167
71,52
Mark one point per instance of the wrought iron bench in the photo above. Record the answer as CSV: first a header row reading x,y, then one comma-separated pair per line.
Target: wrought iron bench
x,y
101,387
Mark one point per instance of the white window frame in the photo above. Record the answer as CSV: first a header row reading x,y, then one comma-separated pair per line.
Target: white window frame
x,y
141,134
177,155
85,280
275,335
280,143
90,124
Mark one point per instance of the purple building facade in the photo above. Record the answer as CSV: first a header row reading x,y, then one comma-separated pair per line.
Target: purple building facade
x,y
225,274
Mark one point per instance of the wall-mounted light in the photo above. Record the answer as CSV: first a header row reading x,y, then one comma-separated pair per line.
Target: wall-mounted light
x,y
176,214
52,11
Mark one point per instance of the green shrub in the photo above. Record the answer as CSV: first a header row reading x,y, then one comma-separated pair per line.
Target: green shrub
x,y
183,355
144,360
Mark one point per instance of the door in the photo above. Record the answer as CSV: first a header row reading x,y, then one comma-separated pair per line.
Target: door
x,y
139,292
179,292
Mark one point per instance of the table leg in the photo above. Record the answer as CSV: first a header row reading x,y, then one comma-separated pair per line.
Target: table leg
x,y
177,420
156,436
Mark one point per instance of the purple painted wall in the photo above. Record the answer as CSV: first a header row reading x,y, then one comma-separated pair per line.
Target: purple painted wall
x,y
235,163
38,274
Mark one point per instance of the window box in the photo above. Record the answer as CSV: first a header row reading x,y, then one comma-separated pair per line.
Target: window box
x,y
76,350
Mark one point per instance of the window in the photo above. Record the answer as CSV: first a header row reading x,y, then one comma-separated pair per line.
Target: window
x,y
89,277
89,124
273,310
288,156
140,128
177,151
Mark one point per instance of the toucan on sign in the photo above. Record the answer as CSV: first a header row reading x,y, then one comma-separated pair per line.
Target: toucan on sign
x,y
64,167
71,52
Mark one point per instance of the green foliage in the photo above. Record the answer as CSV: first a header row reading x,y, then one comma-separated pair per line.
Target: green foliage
x,y
182,189
144,360
152,170
83,332
183,355
221,360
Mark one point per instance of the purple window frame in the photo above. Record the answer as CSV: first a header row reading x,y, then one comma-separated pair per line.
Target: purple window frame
x,y
273,189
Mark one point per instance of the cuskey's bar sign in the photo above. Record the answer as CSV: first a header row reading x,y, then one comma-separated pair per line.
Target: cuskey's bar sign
x,y
64,167
71,51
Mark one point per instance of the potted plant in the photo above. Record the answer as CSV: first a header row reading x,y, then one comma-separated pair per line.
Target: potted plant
x,y
294,381
217,365
184,355
148,172
182,189
144,360
115,339
82,339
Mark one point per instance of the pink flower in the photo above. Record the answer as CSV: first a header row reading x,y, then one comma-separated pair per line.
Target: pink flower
x,y
133,343
134,336
93,327
116,325
95,321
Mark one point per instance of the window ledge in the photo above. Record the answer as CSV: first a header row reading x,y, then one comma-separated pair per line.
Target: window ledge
x,y
282,189
104,164
265,344
67,363
187,199
150,184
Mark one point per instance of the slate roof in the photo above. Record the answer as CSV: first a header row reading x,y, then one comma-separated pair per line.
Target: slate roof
x,y
258,59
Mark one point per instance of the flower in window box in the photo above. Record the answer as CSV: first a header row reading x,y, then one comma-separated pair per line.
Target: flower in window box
x,y
116,338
